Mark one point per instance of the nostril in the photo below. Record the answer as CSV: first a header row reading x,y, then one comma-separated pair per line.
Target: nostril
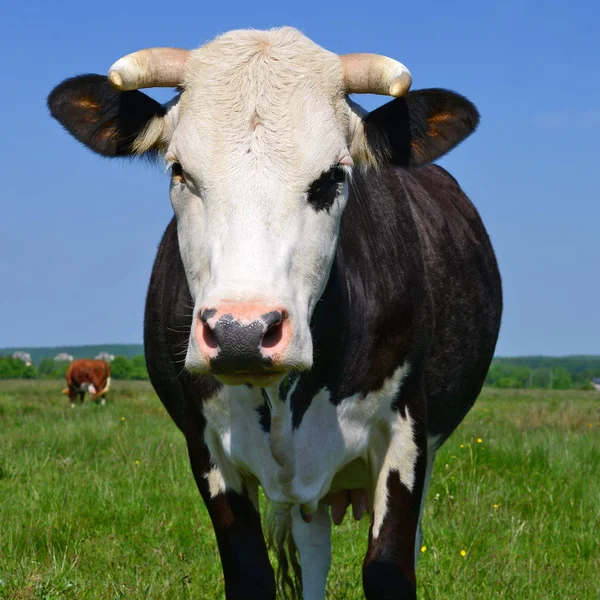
x,y
208,336
274,332
273,335
207,313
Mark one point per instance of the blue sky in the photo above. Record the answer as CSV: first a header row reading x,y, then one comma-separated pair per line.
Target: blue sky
x,y
78,233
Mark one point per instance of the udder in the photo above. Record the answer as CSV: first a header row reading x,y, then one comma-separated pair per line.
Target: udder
x,y
350,486
341,500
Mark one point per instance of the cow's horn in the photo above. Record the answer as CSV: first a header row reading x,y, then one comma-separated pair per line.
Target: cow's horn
x,y
375,74
152,67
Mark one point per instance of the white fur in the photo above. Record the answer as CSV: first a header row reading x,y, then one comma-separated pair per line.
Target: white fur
x,y
313,541
216,483
400,457
260,119
83,387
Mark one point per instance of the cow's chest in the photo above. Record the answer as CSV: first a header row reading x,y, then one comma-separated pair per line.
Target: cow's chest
x,y
335,446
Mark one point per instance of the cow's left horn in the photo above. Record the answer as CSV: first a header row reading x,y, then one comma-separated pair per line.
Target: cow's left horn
x,y
152,67
375,74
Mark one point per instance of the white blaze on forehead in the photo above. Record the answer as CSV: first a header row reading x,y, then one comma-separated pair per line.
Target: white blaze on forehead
x,y
263,91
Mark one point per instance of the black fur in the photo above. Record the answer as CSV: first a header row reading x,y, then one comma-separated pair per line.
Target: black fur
x,y
422,126
264,413
325,189
414,279
104,120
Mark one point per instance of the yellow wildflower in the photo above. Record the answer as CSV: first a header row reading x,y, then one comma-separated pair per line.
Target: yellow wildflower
x,y
462,445
423,548
479,440
496,505
463,553
122,418
137,462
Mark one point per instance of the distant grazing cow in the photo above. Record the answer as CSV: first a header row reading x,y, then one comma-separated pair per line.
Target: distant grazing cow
x,y
345,295
87,375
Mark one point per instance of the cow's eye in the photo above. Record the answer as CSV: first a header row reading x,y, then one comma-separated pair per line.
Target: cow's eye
x,y
325,189
177,173
338,174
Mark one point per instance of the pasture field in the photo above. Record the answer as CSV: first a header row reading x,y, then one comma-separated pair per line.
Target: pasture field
x,y
99,502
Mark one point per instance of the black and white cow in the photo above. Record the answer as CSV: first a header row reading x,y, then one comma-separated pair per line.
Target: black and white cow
x,y
335,294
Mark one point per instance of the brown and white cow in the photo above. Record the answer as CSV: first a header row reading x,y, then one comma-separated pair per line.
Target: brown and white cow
x,y
88,375
346,298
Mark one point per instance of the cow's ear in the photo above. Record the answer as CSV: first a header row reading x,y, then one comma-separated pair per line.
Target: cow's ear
x,y
108,122
419,127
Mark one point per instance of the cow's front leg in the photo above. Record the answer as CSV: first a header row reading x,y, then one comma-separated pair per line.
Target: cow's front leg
x,y
313,540
236,521
389,566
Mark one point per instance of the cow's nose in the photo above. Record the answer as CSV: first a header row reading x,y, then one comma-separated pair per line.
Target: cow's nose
x,y
239,338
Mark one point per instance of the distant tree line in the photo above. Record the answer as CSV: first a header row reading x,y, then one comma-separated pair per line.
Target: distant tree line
x,y
87,351
558,373
48,368
125,368
15,368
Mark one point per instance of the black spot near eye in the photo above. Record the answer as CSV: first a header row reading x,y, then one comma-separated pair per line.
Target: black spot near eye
x,y
177,172
323,191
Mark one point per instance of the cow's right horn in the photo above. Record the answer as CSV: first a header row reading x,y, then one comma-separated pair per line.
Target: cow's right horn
x,y
152,67
375,74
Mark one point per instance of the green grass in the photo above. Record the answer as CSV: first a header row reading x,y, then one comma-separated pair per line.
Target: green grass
x,y
80,518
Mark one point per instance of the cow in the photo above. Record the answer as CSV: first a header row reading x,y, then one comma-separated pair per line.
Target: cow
x,y
334,294
87,375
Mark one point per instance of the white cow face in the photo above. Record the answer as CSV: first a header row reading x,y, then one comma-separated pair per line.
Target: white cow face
x,y
259,164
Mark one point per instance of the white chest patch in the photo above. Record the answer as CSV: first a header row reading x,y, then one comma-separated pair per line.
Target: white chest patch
x,y
343,446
